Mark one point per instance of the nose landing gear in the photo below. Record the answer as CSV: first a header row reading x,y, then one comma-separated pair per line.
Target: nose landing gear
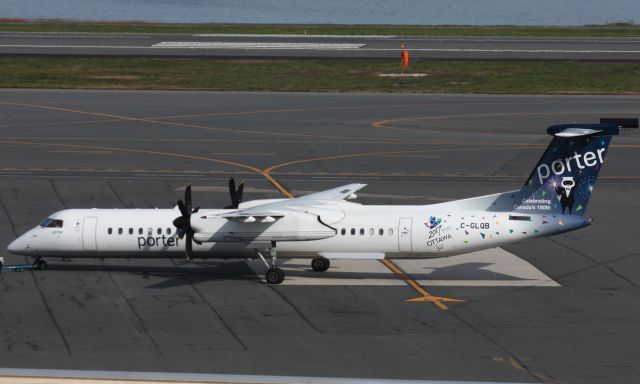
x,y
40,264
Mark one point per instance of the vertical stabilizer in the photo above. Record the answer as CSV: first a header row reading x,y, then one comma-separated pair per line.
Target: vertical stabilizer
x,y
564,178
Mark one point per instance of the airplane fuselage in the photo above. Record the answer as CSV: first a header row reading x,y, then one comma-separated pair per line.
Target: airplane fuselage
x,y
350,229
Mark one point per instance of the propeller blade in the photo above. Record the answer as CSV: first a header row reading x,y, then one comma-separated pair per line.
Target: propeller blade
x,y
232,188
182,208
189,245
235,194
187,197
180,222
183,222
239,193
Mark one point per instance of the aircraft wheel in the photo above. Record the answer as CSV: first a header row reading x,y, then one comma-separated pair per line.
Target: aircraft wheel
x,y
40,265
275,276
320,264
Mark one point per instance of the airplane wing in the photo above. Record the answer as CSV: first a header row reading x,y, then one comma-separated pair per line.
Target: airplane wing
x,y
272,211
335,194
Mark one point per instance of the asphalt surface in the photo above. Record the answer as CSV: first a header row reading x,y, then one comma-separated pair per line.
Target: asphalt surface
x,y
319,47
137,149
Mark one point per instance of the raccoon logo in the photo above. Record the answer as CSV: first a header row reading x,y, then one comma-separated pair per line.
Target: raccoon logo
x,y
565,192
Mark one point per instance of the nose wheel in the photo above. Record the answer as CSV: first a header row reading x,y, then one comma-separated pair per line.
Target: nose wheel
x,y
274,274
40,264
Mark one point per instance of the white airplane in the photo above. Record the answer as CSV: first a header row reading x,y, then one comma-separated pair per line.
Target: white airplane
x,y
327,226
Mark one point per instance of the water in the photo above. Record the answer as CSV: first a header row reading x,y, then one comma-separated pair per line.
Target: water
x,y
433,12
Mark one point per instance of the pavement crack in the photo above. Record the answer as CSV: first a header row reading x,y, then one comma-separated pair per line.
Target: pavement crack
x,y
515,362
116,194
12,224
573,250
296,309
598,264
57,193
50,311
139,321
214,310
610,268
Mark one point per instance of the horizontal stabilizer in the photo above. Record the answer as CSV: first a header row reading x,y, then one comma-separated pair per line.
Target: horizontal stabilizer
x,y
622,122
583,130
576,132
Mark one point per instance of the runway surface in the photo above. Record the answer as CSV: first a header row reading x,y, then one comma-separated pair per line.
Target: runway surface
x,y
560,310
319,47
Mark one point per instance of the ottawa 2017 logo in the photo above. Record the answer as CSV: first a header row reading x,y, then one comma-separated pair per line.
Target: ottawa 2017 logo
x,y
436,232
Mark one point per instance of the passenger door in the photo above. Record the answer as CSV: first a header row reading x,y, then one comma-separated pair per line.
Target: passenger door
x,y
89,227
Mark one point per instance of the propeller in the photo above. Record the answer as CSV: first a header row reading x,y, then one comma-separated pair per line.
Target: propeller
x,y
236,194
183,222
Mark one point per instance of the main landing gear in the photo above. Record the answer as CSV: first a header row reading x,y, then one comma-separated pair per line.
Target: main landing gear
x,y
274,274
320,264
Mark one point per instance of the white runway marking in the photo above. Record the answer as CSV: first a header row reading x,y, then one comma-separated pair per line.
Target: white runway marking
x,y
504,50
489,268
295,35
311,46
256,45
72,46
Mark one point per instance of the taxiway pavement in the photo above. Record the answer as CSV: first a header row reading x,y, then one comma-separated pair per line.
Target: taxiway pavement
x,y
611,49
560,309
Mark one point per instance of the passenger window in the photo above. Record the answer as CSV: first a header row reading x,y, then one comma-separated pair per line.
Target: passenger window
x,y
381,231
131,231
109,231
390,231
353,231
343,231
159,231
371,231
361,231
119,231
139,231
168,231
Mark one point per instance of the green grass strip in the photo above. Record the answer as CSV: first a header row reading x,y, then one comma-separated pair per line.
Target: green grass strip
x,y
608,30
321,75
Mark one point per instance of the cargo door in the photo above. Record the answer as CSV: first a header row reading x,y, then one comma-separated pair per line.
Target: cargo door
x,y
404,234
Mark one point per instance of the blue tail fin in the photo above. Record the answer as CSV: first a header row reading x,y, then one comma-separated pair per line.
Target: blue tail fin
x,y
564,178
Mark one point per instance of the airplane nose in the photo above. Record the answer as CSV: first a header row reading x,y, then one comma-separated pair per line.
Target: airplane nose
x,y
18,245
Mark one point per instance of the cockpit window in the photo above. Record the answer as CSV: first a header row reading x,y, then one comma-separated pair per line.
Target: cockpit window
x,y
51,223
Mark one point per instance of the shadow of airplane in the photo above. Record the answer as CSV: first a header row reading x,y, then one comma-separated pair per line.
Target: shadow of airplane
x,y
185,273
466,271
